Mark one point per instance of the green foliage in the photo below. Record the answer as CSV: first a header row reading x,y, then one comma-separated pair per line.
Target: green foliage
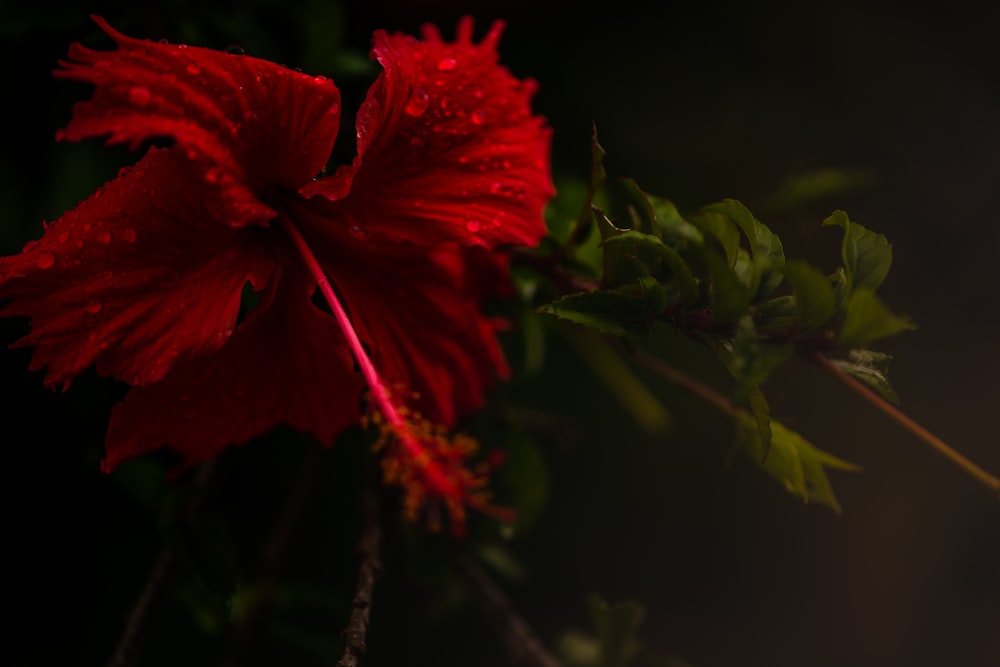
x,y
614,641
720,276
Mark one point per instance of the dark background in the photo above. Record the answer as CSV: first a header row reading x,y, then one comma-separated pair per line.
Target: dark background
x,y
696,103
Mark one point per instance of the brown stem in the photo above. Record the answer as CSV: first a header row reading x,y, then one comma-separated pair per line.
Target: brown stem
x,y
127,651
369,569
690,384
521,642
939,445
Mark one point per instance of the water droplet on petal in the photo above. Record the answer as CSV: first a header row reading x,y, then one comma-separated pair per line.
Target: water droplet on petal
x,y
321,80
472,226
235,50
417,104
86,226
94,307
129,235
104,237
45,260
334,108
65,236
359,232
193,69
139,95
447,64
213,175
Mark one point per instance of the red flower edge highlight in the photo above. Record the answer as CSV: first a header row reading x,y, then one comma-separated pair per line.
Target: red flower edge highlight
x,y
144,278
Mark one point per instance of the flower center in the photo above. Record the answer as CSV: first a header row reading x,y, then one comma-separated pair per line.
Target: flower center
x,y
417,455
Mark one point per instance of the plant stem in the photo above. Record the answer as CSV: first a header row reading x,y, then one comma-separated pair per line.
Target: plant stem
x,y
688,383
520,640
939,445
369,568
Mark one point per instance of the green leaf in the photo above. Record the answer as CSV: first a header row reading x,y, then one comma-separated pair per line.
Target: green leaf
x,y
611,312
522,482
778,313
766,253
811,186
867,319
814,296
652,247
730,297
620,267
869,367
793,461
617,629
771,260
754,360
606,362
674,229
867,255
722,228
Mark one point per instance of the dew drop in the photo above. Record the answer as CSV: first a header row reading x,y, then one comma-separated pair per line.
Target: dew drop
x,y
320,80
478,117
235,50
417,104
139,96
45,260
496,187
104,237
94,307
129,235
193,69
86,226
359,232
447,64
472,226
334,108
213,176
65,236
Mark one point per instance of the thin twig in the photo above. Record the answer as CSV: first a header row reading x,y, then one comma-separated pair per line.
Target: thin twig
x,y
939,445
127,650
273,554
369,568
523,645
690,384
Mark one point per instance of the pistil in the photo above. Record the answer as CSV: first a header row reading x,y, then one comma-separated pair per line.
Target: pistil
x,y
407,429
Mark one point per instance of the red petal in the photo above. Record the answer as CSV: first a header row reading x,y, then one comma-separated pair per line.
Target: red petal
x,y
421,314
447,147
136,278
247,123
286,364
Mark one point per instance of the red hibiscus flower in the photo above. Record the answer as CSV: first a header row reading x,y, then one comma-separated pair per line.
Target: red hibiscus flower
x,y
146,278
